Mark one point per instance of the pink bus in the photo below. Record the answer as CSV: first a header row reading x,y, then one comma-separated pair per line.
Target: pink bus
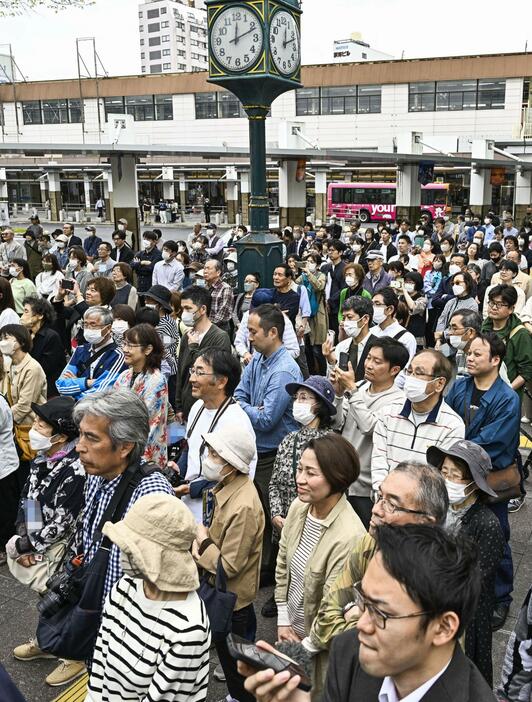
x,y
375,202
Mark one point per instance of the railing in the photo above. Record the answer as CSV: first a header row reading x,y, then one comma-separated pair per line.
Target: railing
x,y
526,123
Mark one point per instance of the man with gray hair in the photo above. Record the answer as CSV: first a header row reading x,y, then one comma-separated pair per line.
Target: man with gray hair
x,y
413,493
113,430
221,295
97,364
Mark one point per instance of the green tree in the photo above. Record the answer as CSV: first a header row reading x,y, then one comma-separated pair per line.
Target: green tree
x,y
18,7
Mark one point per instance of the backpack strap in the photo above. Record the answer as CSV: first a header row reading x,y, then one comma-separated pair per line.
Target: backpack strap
x,y
399,334
515,330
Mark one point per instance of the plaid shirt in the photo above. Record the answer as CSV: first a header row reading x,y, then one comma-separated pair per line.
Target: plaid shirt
x,y
221,302
98,494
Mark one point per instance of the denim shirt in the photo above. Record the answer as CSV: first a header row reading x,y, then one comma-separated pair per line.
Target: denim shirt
x,y
263,397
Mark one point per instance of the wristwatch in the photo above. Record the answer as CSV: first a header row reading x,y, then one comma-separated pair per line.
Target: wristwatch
x,y
348,394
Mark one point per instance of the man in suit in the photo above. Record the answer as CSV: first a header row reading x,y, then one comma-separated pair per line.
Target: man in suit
x,y
73,240
121,253
417,596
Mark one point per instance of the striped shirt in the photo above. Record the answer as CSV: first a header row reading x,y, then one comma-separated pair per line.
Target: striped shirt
x,y
310,536
150,650
400,436
98,494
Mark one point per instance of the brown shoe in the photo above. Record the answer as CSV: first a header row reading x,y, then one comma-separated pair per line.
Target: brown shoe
x,y
30,652
66,672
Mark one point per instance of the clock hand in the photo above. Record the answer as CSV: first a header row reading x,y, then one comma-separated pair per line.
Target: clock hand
x,y
285,43
236,33
234,41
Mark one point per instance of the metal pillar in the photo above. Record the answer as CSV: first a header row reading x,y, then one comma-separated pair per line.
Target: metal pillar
x,y
320,190
125,195
408,193
481,191
54,189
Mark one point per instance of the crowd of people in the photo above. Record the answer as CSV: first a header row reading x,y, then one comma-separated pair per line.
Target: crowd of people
x,y
347,431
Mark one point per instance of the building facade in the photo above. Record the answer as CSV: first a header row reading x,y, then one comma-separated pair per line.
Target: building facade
x,y
173,36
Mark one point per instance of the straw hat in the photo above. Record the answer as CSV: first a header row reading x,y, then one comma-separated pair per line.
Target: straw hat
x,y
157,534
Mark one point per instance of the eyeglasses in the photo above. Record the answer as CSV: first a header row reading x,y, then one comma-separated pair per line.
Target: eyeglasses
x,y
198,374
454,330
391,507
496,305
417,373
128,345
379,618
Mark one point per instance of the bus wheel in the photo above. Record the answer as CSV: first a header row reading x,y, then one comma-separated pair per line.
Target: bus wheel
x,y
363,216
426,213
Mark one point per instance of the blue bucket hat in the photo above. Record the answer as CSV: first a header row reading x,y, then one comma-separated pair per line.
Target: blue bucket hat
x,y
262,296
320,386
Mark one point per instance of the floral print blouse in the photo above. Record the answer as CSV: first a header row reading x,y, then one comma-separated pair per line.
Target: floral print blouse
x,y
151,387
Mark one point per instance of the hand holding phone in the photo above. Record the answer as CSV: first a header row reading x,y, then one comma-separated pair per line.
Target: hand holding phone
x,y
343,361
67,284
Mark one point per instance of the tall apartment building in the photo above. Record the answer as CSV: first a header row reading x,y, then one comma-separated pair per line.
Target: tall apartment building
x,y
173,36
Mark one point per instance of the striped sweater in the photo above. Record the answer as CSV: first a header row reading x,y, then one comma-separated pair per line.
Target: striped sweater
x,y
150,651
398,437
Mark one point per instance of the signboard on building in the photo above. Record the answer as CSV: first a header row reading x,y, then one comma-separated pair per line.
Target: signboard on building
x,y
6,69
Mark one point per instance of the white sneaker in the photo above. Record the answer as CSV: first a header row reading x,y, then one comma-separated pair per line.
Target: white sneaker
x,y
219,674
525,420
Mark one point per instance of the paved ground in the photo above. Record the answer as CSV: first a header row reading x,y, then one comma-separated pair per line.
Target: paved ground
x,y
18,617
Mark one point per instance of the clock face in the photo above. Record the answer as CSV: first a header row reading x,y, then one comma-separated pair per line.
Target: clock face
x,y
285,42
236,38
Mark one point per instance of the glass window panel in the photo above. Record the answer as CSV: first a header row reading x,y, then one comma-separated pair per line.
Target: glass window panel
x,y
154,41
425,87
206,106
442,100
31,112
163,107
491,94
140,106
229,105
113,105
155,55
54,112
74,111
456,85
155,27
153,13
336,91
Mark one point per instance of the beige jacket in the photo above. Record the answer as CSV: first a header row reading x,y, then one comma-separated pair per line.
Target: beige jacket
x,y
27,384
236,534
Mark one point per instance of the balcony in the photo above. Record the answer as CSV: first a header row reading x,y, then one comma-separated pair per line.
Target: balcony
x,y
526,123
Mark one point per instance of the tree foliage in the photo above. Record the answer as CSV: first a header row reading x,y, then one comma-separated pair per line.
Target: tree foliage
x,y
11,8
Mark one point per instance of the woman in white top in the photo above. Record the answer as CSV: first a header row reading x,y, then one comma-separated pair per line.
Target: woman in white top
x,y
47,282
7,304
154,637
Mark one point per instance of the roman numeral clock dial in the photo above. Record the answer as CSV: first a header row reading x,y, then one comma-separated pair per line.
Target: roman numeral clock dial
x,y
237,38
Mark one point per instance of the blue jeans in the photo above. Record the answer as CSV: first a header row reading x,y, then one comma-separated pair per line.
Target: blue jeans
x,y
504,578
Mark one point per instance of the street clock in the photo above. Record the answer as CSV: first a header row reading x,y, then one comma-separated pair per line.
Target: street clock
x,y
255,47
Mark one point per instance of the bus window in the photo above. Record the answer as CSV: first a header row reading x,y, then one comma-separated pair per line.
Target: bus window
x,y
360,196
336,196
386,196
440,197
427,197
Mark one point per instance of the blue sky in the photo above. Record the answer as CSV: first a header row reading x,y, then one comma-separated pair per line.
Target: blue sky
x,y
44,42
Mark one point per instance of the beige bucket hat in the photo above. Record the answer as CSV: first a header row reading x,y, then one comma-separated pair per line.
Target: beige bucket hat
x,y
233,444
157,534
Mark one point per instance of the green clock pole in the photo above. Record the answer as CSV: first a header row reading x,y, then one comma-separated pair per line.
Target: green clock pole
x,y
258,202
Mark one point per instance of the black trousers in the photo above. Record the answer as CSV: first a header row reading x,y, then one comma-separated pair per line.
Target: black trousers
x,y
244,623
263,474
10,490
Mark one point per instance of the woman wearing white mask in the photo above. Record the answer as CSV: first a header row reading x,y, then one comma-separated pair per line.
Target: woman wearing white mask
x,y
77,268
123,319
234,537
143,353
154,639
318,323
243,300
464,292
412,295
126,294
52,496
21,284
354,277
465,467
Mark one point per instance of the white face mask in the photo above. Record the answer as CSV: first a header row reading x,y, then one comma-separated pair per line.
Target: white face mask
x,y
38,441
415,389
426,248
187,318
200,281
379,314
211,470
166,255
445,248
356,247
487,221
410,287
119,327
437,265
352,328
521,242
93,336
249,287
13,272
456,491
458,290
350,281
454,269
477,241
146,243
121,227
456,342
303,413
72,264
7,347
230,266
128,567
60,245
311,267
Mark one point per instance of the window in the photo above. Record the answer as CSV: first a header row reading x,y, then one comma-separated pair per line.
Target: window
x,y
166,52
180,25
166,38
75,111
308,101
153,13
163,107
180,40
182,67
143,69
142,42
421,97
164,25
141,28
156,68
166,66
142,54
54,112
341,100
180,52
491,94
163,10
154,41
453,95
154,27
221,105
113,105
364,56
155,55
195,57
140,14
141,106
31,112
206,107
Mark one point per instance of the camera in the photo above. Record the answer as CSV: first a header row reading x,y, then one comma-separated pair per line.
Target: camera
x,y
174,454
63,588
